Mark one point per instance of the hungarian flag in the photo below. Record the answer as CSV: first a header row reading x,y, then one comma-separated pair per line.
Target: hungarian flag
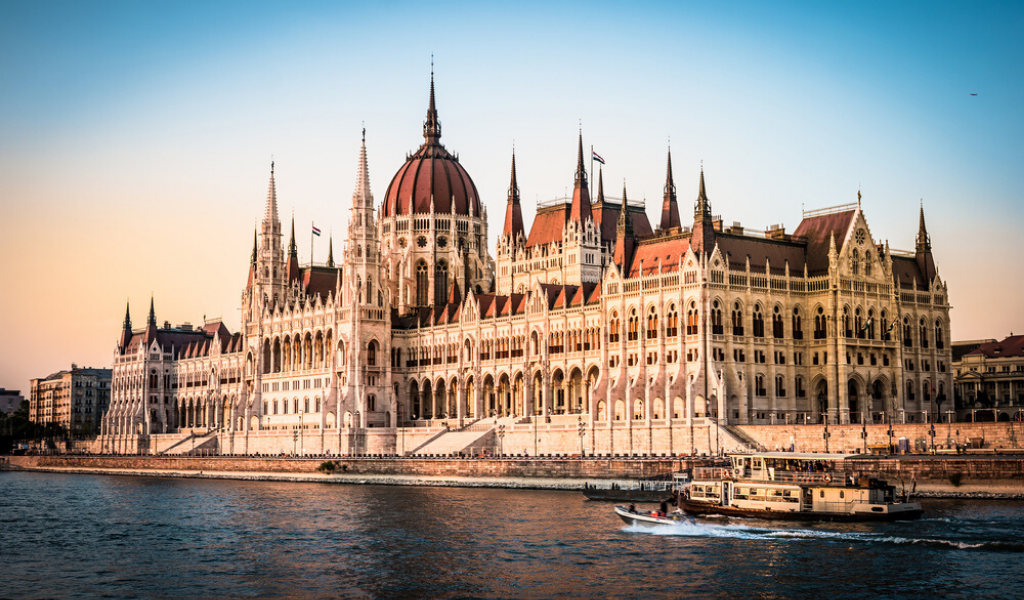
x,y
596,157
867,324
891,325
316,231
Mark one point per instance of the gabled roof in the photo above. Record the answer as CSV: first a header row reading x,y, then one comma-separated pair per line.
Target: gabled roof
x,y
762,252
319,280
669,250
817,231
606,216
905,271
548,225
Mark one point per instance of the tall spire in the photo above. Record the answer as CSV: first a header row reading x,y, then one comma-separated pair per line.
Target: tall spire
x,y
330,251
702,208
127,316
151,321
293,250
270,213
432,126
580,210
513,211
669,205
600,184
363,197
924,241
252,261
624,240
625,223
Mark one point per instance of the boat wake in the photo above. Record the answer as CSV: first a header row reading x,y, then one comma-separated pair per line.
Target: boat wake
x,y
745,532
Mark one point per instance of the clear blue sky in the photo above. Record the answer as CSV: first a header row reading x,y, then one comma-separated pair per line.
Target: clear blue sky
x,y
135,137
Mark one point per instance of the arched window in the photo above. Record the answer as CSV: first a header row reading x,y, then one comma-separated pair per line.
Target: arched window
x,y
885,327
737,319
441,282
798,327
858,324
847,331
634,326
758,322
924,334
371,353
716,318
691,320
422,283
652,324
871,324
780,386
908,338
759,389
777,328
867,262
819,324
939,338
855,263
369,290
371,403
615,325
672,322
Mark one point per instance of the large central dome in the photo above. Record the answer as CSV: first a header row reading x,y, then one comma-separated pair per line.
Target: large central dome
x,y
431,173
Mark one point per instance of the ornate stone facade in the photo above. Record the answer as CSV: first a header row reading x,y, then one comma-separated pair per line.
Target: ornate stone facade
x,y
591,333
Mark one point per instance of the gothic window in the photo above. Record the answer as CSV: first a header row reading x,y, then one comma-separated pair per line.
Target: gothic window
x,y
422,283
402,242
758,322
819,325
846,322
800,391
672,330
371,403
421,242
884,327
691,320
867,262
442,242
798,331
924,334
441,282
939,343
634,326
716,319
652,324
855,263
759,388
737,319
908,340
857,324
780,386
371,353
871,324
359,251
613,335
777,329
369,290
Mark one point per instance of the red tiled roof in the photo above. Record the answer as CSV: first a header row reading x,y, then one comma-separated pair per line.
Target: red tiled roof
x,y
668,250
431,173
817,232
606,216
1011,346
905,271
547,226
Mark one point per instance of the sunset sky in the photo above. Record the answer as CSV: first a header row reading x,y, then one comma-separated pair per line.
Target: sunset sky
x,y
136,137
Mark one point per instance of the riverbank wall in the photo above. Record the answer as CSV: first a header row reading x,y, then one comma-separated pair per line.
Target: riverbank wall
x,y
939,476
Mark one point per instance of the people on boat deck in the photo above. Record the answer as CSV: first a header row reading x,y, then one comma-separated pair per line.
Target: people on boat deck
x,y
632,508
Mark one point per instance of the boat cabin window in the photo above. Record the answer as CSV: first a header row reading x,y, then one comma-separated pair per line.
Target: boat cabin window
x,y
842,494
822,493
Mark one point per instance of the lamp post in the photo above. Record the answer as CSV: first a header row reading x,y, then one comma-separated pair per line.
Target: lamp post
x,y
501,440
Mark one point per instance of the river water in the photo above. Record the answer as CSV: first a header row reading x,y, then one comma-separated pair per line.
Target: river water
x,y
84,536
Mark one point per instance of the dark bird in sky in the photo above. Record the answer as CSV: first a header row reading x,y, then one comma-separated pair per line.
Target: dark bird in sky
x,y
973,94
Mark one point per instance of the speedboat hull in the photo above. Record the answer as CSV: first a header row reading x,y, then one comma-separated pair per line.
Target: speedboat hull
x,y
651,518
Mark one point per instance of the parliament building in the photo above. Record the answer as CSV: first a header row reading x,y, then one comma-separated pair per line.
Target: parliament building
x,y
592,332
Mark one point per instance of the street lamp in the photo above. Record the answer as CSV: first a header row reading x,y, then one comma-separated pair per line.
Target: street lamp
x,y
501,439
582,432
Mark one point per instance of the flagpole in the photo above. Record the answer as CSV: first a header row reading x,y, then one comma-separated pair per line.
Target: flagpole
x,y
591,163
311,226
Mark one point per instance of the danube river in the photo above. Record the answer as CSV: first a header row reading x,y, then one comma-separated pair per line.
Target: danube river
x,y
64,536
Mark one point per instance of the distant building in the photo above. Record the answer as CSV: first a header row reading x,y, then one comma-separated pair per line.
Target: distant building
x,y
989,382
76,399
10,400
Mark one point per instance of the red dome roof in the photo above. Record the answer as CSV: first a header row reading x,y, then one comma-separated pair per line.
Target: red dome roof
x,y
432,172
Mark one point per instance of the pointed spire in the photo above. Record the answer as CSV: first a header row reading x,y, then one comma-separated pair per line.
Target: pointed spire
x,y
432,126
330,251
669,205
126,332
600,184
625,223
151,321
702,208
924,241
580,210
270,213
293,250
454,296
513,211
127,316
252,260
363,197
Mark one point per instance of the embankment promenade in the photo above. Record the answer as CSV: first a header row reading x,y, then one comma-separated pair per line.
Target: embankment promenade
x,y
934,476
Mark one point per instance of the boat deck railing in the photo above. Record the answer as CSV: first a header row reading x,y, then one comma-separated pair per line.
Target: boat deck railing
x,y
724,473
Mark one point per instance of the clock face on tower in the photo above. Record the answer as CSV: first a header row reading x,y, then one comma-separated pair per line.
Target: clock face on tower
x,y
860,235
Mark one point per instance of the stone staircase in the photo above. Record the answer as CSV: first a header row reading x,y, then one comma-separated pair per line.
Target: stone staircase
x,y
733,437
471,439
194,444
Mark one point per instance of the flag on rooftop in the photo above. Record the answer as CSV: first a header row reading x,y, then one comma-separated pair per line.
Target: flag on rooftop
x,y
316,231
597,157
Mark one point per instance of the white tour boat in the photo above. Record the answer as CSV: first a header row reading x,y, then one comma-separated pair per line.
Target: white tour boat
x,y
789,485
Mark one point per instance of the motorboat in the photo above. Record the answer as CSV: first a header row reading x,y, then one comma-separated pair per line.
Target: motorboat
x,y
633,516
796,486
